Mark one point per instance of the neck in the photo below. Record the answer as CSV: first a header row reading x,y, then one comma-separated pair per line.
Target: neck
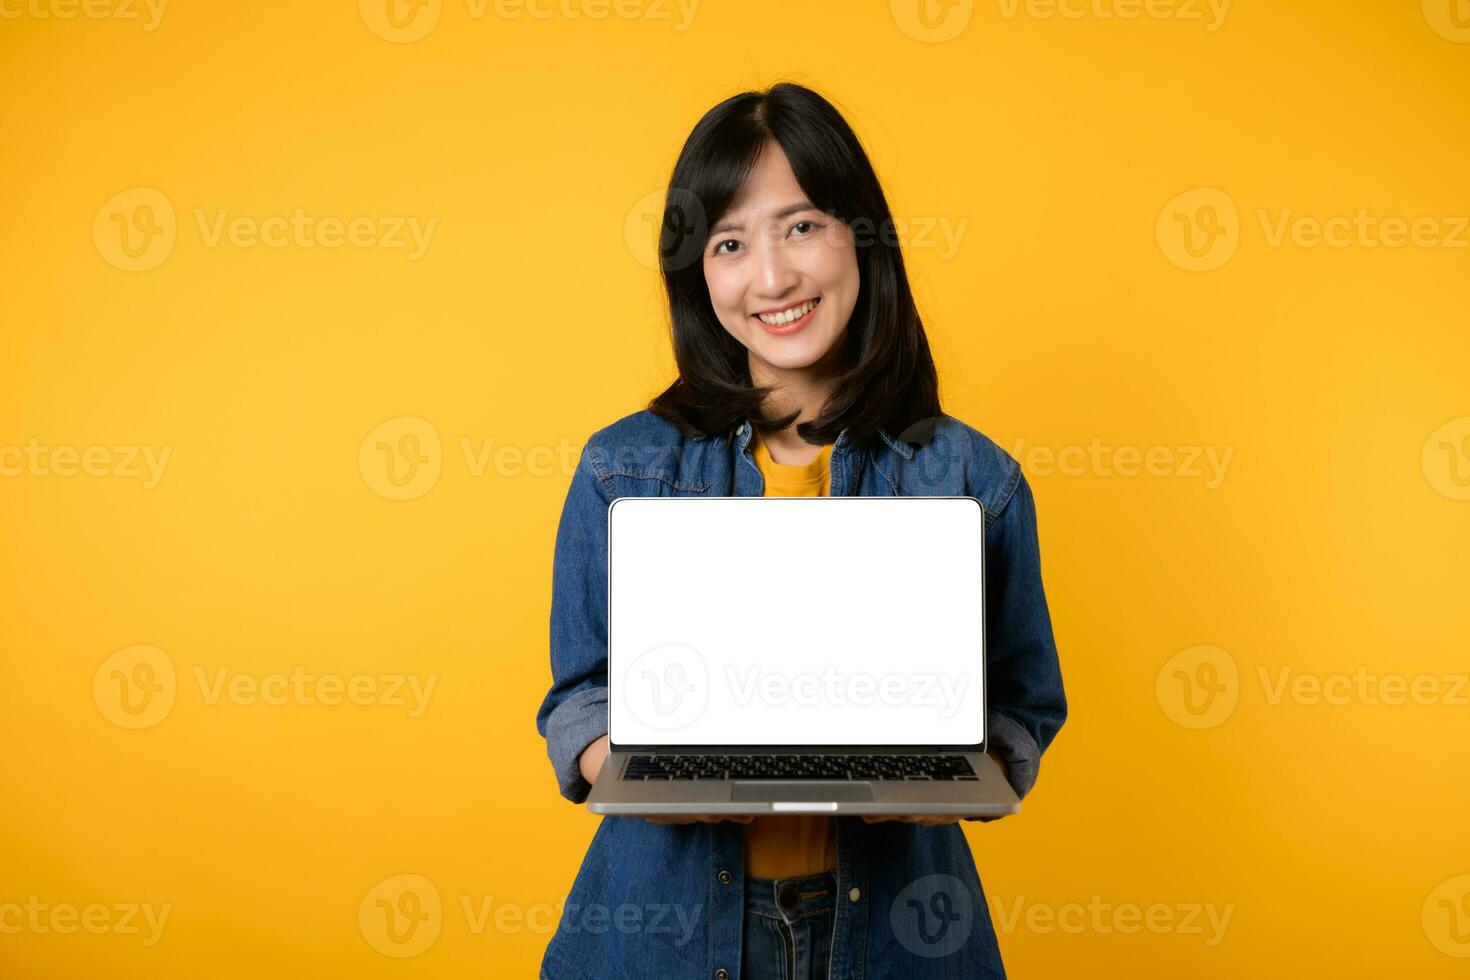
x,y
803,390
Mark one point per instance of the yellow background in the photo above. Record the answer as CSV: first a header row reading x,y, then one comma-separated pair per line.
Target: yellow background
x,y
1331,543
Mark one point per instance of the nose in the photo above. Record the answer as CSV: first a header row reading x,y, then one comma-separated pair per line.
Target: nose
x,y
775,275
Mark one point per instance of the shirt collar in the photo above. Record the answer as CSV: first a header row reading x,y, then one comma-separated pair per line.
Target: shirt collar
x,y
744,431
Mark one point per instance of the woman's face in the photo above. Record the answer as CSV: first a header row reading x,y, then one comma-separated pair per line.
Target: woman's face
x,y
774,253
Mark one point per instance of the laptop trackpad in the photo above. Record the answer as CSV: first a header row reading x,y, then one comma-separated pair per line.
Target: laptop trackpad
x,y
757,790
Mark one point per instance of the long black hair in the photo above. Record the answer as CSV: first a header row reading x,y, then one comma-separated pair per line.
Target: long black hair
x,y
889,380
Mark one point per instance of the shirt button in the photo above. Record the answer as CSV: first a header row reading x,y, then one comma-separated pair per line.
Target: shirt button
x,y
722,974
725,877
854,895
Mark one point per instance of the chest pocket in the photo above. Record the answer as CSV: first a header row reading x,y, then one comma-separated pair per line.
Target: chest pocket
x,y
652,472
932,470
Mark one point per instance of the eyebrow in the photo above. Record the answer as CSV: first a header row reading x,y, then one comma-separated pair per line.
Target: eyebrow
x,y
785,212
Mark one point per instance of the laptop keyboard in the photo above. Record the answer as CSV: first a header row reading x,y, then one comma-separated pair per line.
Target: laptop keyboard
x,y
805,767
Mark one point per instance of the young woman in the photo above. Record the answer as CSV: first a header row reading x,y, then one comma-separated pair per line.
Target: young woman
x,y
803,370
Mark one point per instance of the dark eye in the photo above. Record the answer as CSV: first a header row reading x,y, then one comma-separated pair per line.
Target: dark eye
x,y
721,245
799,224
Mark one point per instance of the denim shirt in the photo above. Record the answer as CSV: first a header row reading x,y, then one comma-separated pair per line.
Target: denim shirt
x,y
665,900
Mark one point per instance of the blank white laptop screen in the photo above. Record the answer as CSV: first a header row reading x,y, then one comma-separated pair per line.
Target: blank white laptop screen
x,y
796,621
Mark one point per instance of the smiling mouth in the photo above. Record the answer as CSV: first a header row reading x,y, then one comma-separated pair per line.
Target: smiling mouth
x,y
789,315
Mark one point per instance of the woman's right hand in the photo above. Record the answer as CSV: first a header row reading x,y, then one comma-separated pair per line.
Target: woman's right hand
x,y
592,758
595,754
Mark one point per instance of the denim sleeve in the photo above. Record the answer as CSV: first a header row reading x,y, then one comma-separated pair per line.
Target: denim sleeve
x,y
1026,702
574,712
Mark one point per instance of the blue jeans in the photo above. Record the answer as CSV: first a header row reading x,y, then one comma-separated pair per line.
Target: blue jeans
x,y
788,927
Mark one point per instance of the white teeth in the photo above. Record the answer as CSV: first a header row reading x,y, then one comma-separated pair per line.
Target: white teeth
x,y
795,313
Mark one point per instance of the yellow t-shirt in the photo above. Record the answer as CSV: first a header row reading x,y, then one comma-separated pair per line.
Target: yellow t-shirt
x,y
797,844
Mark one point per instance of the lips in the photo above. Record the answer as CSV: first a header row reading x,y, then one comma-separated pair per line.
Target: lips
x,y
784,322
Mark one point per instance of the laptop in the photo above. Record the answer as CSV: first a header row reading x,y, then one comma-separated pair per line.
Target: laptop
x,y
797,655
